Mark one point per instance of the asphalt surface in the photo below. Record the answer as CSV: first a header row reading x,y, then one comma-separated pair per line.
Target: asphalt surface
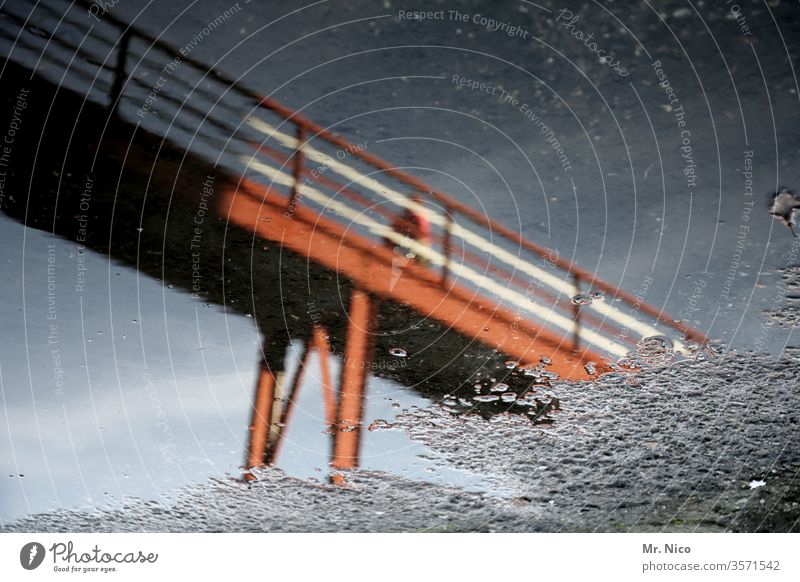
x,y
704,444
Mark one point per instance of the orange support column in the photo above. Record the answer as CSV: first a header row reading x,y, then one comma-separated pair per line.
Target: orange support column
x,y
262,417
356,361
323,351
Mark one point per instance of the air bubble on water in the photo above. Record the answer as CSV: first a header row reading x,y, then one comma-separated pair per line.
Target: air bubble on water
x,y
581,299
508,397
380,424
691,345
510,364
486,398
398,352
656,342
657,350
499,387
545,360
597,295
591,368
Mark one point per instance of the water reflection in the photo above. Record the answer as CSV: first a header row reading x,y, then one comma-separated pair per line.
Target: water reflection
x,y
344,396
151,277
157,390
160,356
305,445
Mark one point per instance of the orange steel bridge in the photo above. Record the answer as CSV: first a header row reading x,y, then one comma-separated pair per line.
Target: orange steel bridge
x,y
330,200
295,206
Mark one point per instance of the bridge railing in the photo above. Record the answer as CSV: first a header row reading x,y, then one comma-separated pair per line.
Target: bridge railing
x,y
163,89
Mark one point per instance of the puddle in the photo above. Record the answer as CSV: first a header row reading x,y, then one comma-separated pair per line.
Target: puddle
x,y
117,386
785,309
164,377
114,387
385,446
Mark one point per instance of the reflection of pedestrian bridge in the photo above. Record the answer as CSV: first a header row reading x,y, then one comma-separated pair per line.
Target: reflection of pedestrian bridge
x,y
280,178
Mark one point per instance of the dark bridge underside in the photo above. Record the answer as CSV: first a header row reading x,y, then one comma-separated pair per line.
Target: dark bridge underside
x,y
140,181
